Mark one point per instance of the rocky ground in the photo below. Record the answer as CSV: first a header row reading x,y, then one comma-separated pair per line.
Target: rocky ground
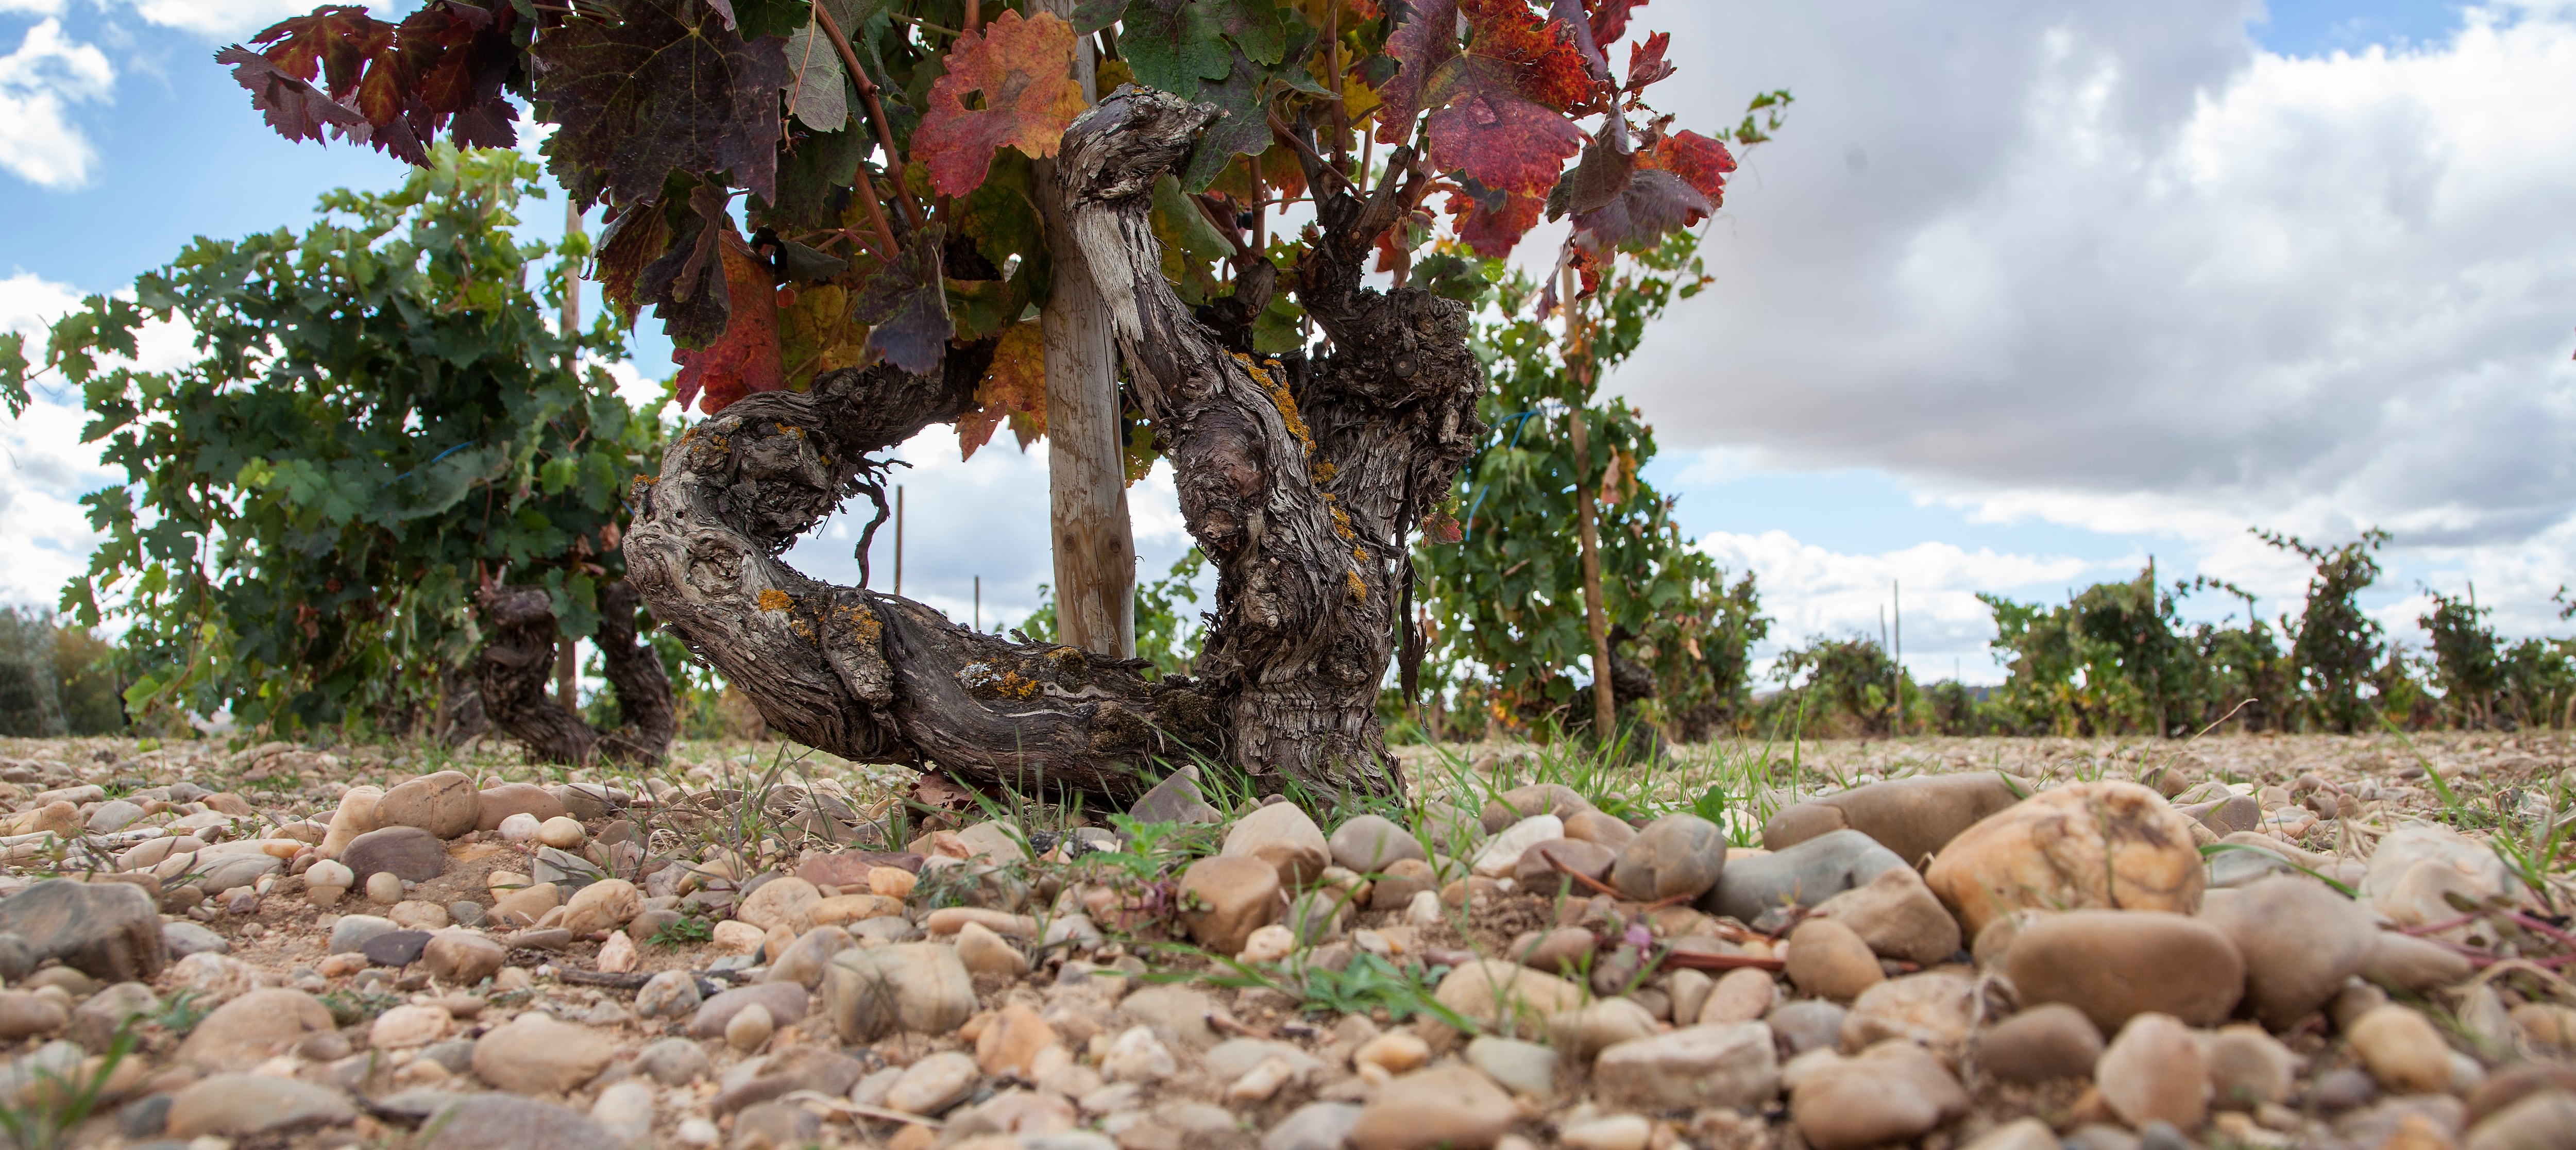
x,y
2006,944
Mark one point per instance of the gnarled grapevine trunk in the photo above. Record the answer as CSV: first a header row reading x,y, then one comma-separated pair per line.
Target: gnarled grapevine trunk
x,y
1301,480
517,665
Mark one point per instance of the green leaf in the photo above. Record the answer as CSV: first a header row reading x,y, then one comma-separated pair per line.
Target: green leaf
x,y
1241,131
817,85
13,372
1253,25
1172,45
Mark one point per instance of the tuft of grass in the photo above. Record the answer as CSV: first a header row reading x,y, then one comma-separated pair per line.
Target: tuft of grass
x,y
49,1105
688,930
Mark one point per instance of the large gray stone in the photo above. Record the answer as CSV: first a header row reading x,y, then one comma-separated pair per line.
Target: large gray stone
x,y
107,930
1913,817
1697,1066
868,993
1677,855
1366,844
1176,799
1806,874
412,854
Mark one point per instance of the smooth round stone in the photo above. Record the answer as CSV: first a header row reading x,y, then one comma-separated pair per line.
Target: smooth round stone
x,y
1932,1009
2085,845
1558,951
2046,1042
1366,844
1805,875
2403,1050
1455,1106
445,804
2114,965
2299,940
1829,961
2248,1068
1543,868
1891,1092
2155,1072
409,853
351,933
1913,817
1898,917
1598,828
1740,996
499,803
1676,856
396,947
384,889
519,828
562,832
1804,1025
1524,802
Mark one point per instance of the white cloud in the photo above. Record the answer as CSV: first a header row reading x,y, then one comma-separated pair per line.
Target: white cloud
x,y
223,18
38,83
1810,591
43,464
2117,267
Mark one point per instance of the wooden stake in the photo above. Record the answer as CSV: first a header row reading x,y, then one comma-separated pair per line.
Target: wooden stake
x,y
898,540
1605,703
567,656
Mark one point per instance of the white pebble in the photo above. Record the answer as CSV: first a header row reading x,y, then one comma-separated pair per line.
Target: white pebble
x,y
519,828
384,888
561,832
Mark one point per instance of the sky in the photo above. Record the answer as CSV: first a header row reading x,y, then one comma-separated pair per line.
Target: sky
x,y
2024,297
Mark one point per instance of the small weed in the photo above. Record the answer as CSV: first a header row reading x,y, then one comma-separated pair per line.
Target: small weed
x,y
51,1103
351,1006
688,931
183,1012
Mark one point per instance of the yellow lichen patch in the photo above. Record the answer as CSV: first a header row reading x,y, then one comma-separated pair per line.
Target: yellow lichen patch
x,y
1342,523
862,623
987,681
1360,554
1279,398
1019,686
773,599
1352,582
646,480
1322,471
803,630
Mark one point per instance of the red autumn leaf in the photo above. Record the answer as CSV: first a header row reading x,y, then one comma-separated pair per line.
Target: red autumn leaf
x,y
1537,59
1492,220
1700,161
1441,527
444,66
1610,18
745,360
1013,388
1652,203
1646,63
1023,68
1426,40
1503,141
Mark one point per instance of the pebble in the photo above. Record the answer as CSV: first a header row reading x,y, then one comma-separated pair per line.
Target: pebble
x,y
1676,856
932,1085
1897,916
2154,1071
2542,1121
24,1015
248,1030
407,1026
921,987
461,957
1507,995
1809,1024
408,853
1521,802
2045,1042
1523,1067
2414,965
444,804
749,1029
1806,874
2084,845
625,1110
1737,996
1176,799
239,1105
396,947
1544,868
1890,1092
2113,965
669,994
187,938
1603,1024
674,1061
786,1003
2420,872
1829,960
1615,1132
1396,1052
1367,843
1932,1009
2299,940
1697,1066
1313,1126
1453,1106
525,905
2018,1134
1229,897
535,1054
603,905
1914,818
1283,837
984,952
502,1122
562,832
95,1021
519,828
2402,1049
1137,1056
2248,1068
384,888
787,902
1500,856
496,805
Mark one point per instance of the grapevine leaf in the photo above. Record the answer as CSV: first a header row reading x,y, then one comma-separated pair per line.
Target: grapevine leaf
x,y
1172,45
817,86
1646,63
1024,70
633,240
1652,203
1502,141
13,372
1568,15
1610,19
1517,51
814,179
1013,388
657,85
1492,220
1441,527
293,108
1596,180
905,307
686,286
1700,161
798,263
1253,25
745,360
1424,43
1001,217
1090,16
463,57
815,333
1241,131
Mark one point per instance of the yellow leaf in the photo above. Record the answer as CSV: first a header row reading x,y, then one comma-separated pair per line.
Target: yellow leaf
x,y
1014,388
